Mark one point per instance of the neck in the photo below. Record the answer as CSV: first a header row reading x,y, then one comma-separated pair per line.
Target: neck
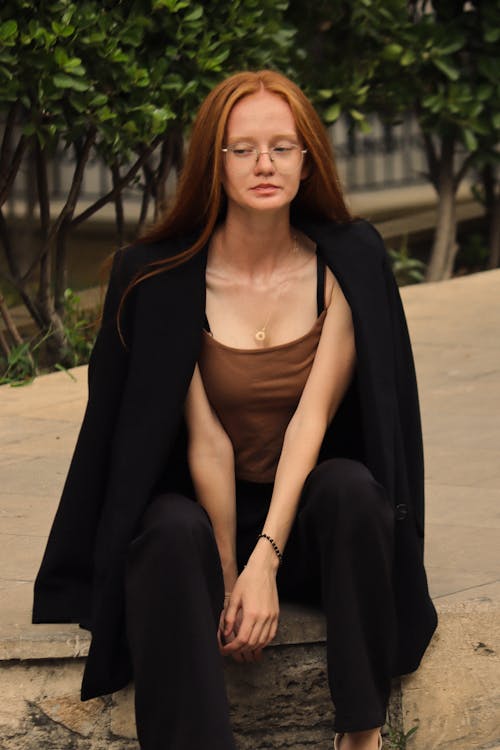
x,y
254,245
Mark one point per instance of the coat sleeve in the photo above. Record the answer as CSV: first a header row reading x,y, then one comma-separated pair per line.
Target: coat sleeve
x,y
62,588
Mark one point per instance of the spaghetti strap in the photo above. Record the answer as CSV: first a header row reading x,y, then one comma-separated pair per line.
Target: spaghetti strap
x,y
320,287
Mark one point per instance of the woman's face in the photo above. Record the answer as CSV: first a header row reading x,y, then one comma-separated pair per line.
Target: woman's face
x,y
262,121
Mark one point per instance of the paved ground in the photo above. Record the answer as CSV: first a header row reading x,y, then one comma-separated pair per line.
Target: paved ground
x,y
455,331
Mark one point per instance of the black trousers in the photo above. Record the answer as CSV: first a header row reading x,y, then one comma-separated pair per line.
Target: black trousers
x,y
339,555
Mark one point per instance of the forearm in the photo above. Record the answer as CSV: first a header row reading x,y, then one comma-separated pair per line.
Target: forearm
x,y
214,483
299,455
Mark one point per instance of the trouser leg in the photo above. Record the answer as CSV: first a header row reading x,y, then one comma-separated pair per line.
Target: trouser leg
x,y
342,544
174,592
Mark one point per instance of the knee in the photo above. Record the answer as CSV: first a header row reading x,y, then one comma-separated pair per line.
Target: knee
x,y
343,489
172,521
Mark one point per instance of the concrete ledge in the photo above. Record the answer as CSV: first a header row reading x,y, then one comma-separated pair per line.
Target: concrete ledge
x,y
298,625
282,702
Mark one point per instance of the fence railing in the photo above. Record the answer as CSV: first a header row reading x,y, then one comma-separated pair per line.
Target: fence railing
x,y
388,156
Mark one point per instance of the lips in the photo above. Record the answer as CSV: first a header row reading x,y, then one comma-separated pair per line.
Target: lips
x,y
265,186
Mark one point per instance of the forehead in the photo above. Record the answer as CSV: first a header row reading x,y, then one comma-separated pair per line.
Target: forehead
x,y
260,114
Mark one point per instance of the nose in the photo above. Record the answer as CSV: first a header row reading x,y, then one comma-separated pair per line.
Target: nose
x,y
264,165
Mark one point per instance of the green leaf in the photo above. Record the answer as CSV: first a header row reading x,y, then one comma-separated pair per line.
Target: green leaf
x,y
194,15
408,58
99,100
73,62
484,92
63,81
356,115
67,31
449,71
492,35
60,56
333,113
392,52
454,46
470,140
365,127
105,113
8,30
6,72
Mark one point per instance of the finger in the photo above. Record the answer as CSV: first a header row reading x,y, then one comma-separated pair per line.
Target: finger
x,y
265,635
230,615
243,633
274,630
255,638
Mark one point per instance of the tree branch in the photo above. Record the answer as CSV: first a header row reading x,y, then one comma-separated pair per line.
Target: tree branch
x,y
7,246
25,298
69,207
60,267
124,181
6,180
10,122
43,190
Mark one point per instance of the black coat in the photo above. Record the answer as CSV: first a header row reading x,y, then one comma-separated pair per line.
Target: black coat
x,y
132,441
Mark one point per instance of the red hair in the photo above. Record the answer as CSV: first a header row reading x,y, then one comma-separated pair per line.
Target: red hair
x,y
200,198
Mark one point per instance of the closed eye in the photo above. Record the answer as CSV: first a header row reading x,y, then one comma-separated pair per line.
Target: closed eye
x,y
242,151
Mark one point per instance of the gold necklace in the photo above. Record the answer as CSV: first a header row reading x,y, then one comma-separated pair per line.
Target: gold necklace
x,y
261,334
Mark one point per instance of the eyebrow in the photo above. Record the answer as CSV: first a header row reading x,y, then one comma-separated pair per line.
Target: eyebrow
x,y
289,136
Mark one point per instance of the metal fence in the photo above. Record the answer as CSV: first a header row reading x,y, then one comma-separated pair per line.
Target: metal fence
x,y
388,156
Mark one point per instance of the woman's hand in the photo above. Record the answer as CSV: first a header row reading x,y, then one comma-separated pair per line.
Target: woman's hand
x,y
249,620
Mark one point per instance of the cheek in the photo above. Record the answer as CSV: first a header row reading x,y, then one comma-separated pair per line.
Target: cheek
x,y
229,184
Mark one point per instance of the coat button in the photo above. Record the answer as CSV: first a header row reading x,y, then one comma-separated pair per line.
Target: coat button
x,y
401,511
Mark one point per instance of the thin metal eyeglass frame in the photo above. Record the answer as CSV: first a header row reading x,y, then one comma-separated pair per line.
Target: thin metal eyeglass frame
x,y
258,154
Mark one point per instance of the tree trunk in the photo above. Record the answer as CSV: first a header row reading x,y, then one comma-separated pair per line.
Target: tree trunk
x,y
444,248
146,196
172,157
61,269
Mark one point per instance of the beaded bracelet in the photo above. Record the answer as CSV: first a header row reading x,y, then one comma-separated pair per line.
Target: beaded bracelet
x,y
274,546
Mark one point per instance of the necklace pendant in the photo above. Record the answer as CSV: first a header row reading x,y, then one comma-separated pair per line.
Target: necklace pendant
x,y
260,336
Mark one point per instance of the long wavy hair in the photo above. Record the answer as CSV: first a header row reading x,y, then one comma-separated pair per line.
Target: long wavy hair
x,y
200,198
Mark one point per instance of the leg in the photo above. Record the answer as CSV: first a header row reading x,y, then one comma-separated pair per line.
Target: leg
x,y
344,532
174,596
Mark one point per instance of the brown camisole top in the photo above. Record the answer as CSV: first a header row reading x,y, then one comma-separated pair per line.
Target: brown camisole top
x,y
255,392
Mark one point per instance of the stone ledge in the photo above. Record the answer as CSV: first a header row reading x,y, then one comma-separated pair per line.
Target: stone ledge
x,y
453,698
298,625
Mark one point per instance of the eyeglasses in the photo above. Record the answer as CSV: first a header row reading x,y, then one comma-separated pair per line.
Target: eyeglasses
x,y
242,158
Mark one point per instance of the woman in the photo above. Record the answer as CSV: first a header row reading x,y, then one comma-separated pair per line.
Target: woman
x,y
254,358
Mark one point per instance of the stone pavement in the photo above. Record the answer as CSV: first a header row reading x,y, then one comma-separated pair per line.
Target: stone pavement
x,y
455,328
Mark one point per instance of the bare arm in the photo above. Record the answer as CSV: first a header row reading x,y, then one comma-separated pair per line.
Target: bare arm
x,y
326,386
330,375
211,462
